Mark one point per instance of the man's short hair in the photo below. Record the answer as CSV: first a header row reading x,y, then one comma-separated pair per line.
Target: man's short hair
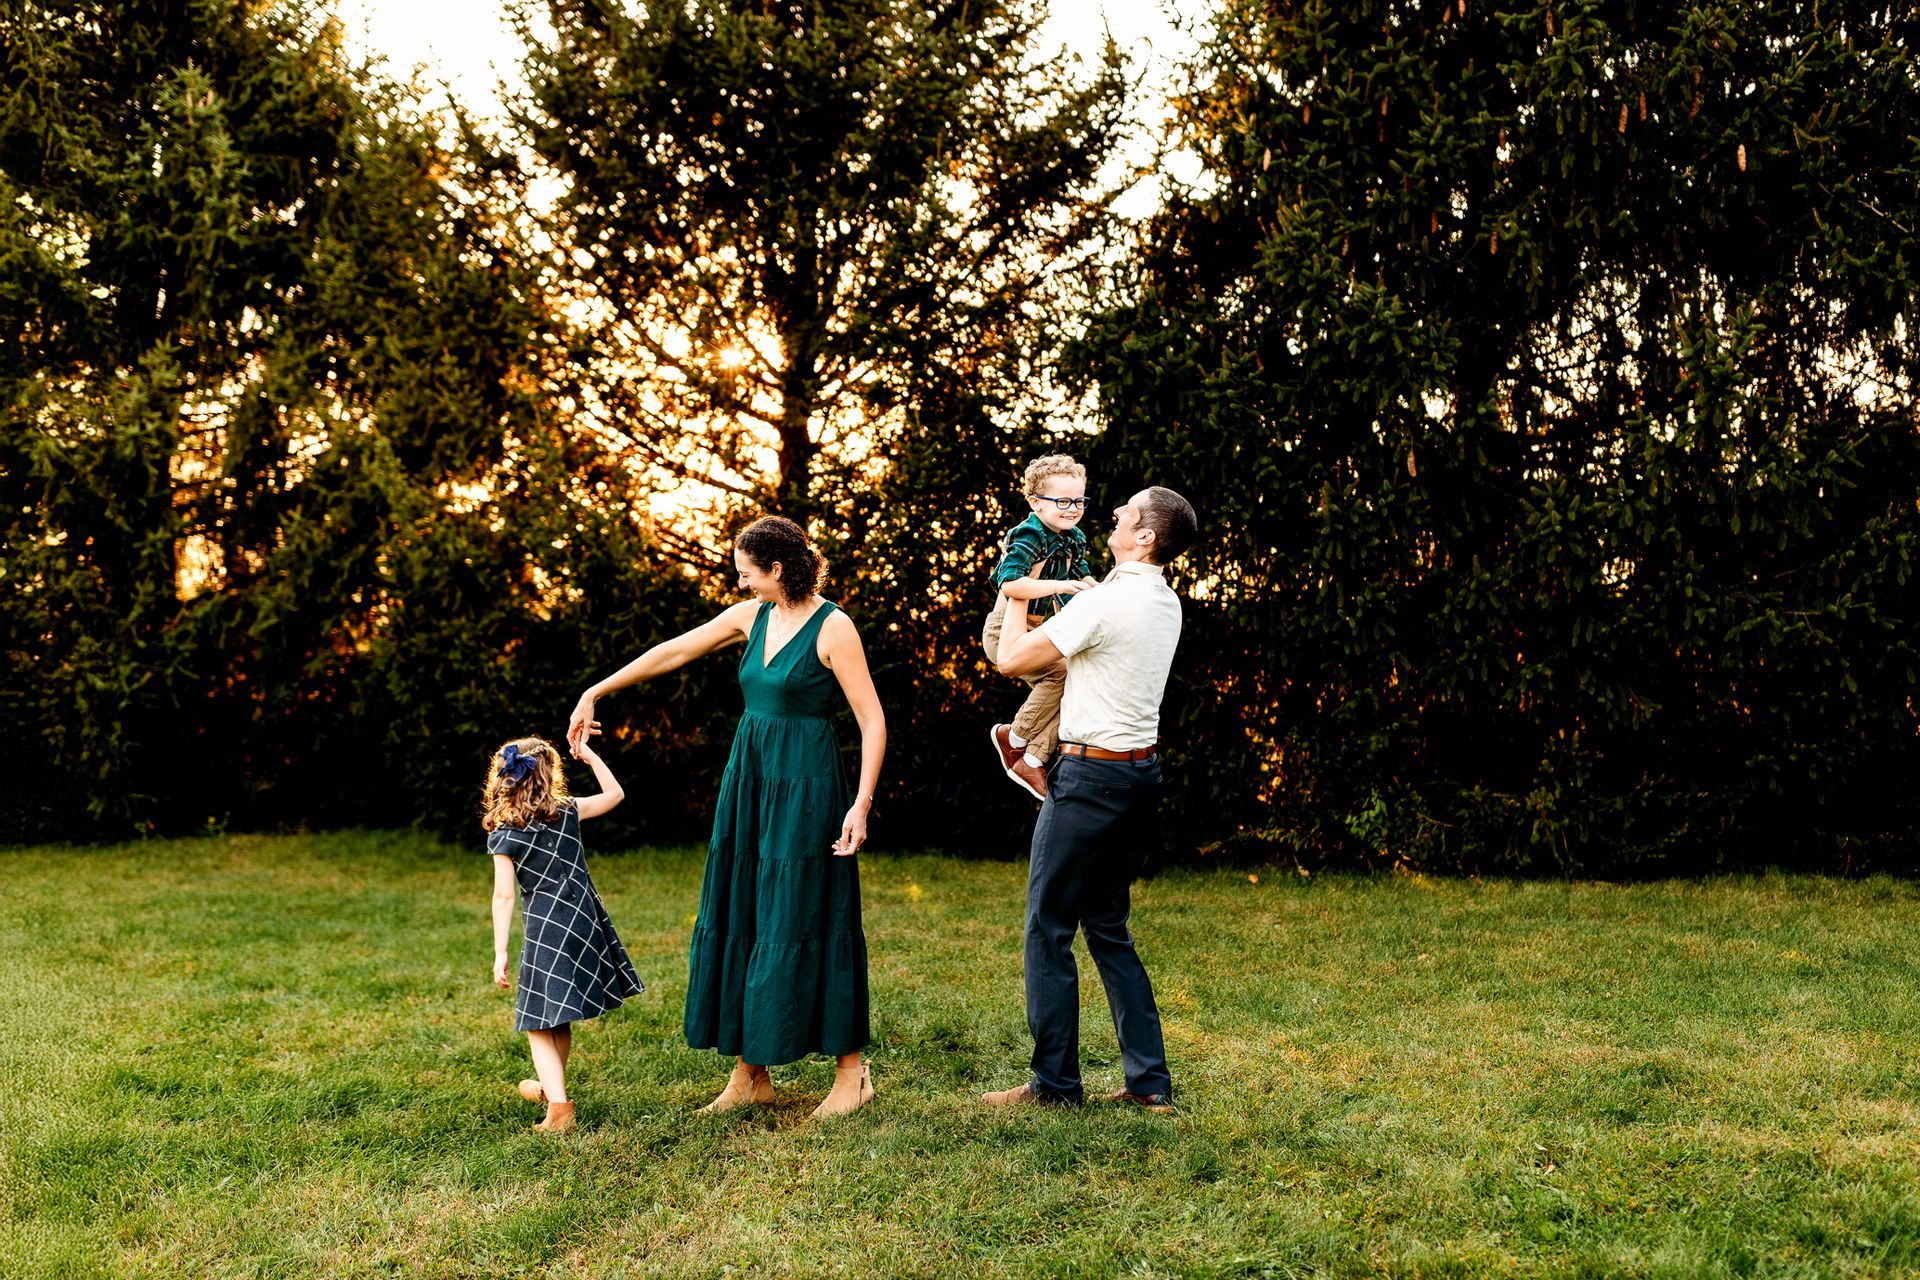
x,y
1171,518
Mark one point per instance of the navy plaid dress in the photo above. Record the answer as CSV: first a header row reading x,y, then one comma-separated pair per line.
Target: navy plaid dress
x,y
572,965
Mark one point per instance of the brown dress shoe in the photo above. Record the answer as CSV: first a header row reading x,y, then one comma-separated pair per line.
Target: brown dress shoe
x,y
1019,1095
559,1119
1155,1102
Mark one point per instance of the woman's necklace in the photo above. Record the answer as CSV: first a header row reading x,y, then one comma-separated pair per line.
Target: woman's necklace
x,y
780,638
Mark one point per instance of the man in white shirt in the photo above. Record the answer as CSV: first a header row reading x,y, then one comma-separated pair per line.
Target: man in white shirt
x,y
1117,640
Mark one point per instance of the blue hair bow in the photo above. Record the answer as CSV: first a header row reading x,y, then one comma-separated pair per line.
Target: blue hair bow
x,y
516,764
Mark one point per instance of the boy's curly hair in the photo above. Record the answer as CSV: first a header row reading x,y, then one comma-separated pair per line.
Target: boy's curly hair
x,y
525,785
1040,470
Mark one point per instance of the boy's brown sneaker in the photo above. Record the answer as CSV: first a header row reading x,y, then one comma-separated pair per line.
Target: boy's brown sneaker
x,y
1013,762
1029,779
1002,737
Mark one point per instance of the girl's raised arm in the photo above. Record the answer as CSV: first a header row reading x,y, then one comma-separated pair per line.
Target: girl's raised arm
x,y
734,624
611,792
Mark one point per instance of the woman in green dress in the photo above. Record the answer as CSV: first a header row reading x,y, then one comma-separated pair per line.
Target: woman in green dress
x,y
778,965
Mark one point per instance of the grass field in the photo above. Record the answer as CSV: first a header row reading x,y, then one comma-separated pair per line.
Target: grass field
x,y
282,1057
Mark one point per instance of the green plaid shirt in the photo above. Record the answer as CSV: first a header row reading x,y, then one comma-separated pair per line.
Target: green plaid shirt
x,y
1032,548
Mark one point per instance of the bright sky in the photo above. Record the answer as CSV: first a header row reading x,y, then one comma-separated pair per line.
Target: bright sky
x,y
468,46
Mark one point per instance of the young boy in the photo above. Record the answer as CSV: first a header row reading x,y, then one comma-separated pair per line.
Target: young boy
x,y
1043,563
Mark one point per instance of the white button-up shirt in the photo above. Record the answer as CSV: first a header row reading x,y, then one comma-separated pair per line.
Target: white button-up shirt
x,y
1118,639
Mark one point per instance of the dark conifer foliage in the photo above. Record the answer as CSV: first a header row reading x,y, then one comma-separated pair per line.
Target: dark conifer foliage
x,y
1544,375
790,224
287,534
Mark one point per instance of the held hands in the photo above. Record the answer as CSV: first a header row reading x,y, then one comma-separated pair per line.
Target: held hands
x,y
581,725
853,832
500,978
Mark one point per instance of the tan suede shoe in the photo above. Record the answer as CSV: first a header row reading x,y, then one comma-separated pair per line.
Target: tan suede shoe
x,y
828,1108
559,1119
532,1092
759,1093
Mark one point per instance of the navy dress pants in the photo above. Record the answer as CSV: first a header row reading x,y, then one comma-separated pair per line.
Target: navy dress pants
x,y
1086,852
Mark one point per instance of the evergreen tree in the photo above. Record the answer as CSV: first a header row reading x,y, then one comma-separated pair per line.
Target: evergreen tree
x,y
275,444
161,170
1544,376
786,221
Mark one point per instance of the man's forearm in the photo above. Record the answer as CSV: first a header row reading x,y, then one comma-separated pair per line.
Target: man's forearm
x,y
1013,625
1023,652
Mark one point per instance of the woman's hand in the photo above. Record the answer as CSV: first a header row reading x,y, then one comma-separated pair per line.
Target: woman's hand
x,y
581,725
853,831
500,978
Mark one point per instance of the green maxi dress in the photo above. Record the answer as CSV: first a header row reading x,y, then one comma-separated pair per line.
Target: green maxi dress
x,y
778,966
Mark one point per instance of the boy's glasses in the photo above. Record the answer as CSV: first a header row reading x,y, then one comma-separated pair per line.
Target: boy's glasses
x,y
1068,504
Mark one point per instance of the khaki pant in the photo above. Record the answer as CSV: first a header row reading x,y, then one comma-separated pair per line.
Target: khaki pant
x,y
1038,720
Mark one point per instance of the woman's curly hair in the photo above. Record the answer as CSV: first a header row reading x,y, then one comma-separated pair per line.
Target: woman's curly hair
x,y
773,540
525,785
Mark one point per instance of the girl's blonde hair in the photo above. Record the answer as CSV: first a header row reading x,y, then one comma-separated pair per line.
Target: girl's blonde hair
x,y
1041,470
525,785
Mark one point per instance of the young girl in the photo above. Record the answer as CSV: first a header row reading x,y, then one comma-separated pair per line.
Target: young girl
x,y
572,966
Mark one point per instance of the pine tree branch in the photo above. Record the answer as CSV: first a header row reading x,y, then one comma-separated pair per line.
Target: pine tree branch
x,y
684,550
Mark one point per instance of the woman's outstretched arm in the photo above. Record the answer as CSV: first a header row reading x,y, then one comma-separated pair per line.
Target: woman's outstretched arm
x,y
847,658
732,625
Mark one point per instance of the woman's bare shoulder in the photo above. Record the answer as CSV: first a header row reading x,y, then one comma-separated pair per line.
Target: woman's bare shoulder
x,y
739,616
837,623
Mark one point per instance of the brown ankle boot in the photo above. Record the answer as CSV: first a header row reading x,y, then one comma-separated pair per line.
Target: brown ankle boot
x,y
559,1119
861,1075
757,1091
532,1092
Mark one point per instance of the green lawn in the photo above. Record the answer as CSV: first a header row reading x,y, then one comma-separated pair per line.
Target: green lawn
x,y
282,1057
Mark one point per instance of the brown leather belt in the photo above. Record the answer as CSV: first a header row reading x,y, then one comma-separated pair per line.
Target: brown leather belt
x,y
1101,753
